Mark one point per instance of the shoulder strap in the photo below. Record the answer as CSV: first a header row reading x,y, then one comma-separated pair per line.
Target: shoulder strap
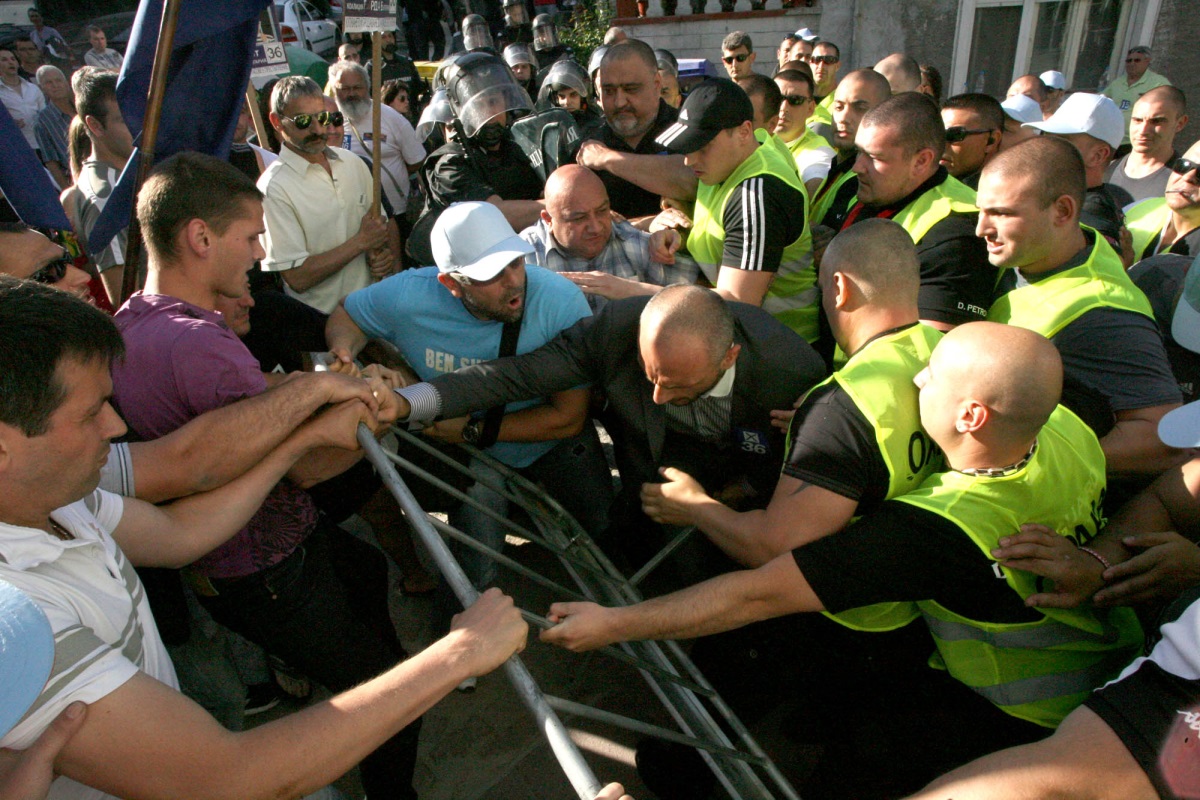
x,y
495,414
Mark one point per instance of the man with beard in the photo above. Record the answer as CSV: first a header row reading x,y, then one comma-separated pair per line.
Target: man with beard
x,y
322,256
622,148
401,152
479,302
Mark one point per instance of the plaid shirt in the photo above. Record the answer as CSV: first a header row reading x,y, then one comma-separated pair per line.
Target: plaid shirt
x,y
627,255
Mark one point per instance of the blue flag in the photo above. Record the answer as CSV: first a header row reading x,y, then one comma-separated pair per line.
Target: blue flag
x,y
206,84
25,181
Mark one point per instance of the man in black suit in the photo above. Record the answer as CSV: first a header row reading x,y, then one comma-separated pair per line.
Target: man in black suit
x,y
690,382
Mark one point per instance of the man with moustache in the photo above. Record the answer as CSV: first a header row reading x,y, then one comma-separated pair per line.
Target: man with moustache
x,y
321,256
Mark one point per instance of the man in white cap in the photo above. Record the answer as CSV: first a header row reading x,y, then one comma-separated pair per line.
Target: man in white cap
x,y
1094,125
482,302
1019,109
1157,117
1056,89
1035,89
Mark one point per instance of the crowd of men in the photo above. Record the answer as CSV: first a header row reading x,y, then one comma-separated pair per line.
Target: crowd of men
x,y
925,366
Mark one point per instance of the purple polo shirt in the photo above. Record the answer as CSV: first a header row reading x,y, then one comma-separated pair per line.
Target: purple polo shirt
x,y
180,362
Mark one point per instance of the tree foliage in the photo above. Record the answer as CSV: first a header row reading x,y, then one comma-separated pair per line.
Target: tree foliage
x,y
587,27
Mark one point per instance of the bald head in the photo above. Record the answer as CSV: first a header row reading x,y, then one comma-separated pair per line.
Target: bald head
x,y
689,313
577,211
1014,373
1052,167
879,257
903,73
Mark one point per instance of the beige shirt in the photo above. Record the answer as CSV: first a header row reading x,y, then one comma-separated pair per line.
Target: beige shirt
x,y
307,213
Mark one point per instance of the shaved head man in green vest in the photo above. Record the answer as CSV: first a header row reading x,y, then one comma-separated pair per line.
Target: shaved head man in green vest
x,y
989,399
750,232
1071,287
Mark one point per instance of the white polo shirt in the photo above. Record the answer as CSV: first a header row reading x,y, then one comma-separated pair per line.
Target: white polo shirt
x,y
307,212
399,147
104,632
24,102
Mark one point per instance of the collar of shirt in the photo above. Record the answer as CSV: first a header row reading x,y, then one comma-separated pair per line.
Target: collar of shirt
x,y
936,179
301,164
723,387
662,120
1074,261
25,548
141,302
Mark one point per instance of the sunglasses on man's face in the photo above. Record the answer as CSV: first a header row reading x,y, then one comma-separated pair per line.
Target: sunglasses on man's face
x,y
331,119
795,99
739,58
958,133
830,59
53,272
1182,166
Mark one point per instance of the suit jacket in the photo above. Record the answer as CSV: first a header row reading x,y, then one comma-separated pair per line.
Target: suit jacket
x,y
774,368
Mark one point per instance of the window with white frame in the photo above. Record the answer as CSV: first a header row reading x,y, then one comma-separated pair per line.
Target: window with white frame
x,y
1000,40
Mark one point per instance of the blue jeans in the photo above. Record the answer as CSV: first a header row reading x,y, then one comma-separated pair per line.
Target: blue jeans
x,y
324,611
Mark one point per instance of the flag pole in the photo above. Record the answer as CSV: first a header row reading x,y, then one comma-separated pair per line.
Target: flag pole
x,y
260,127
376,99
154,101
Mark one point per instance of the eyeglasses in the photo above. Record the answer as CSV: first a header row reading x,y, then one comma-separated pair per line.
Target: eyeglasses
x,y
829,59
53,272
958,133
1182,166
739,58
795,99
331,119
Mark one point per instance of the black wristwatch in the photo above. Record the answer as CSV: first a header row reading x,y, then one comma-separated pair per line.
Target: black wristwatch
x,y
472,431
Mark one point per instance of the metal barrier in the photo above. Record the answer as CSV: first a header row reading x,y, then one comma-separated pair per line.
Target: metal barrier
x,y
705,721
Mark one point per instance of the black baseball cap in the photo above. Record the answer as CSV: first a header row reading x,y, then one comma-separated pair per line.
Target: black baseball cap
x,y
715,105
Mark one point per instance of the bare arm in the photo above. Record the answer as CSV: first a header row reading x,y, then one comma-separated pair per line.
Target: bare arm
x,y
663,175
743,285
519,213
1083,760
176,534
372,234
1132,447
146,740
723,603
345,339
217,446
560,418
798,513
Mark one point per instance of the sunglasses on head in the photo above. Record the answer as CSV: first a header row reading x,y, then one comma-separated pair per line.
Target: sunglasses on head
x,y
829,59
795,99
739,58
958,133
53,272
330,119
1182,166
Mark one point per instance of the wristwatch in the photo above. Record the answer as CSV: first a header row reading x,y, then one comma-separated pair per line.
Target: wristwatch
x,y
472,431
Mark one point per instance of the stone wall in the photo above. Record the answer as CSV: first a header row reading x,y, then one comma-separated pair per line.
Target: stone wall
x,y
699,36
1177,56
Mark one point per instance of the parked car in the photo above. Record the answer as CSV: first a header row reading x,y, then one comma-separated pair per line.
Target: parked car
x,y
301,24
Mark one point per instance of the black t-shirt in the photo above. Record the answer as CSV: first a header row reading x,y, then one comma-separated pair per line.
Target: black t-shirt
x,y
626,198
763,215
1113,360
1161,278
957,281
901,552
833,446
1186,245
1148,710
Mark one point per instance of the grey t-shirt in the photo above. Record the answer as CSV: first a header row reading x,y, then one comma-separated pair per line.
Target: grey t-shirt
x,y
1126,190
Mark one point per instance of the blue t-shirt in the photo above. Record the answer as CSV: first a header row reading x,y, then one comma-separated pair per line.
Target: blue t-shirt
x,y
435,333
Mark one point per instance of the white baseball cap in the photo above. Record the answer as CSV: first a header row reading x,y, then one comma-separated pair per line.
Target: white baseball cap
x,y
1022,108
475,240
1093,114
26,654
807,35
1054,79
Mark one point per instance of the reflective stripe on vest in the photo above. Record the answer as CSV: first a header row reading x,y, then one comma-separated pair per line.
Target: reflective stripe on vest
x,y
822,113
1052,303
793,298
879,379
1145,221
827,193
1038,671
951,196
